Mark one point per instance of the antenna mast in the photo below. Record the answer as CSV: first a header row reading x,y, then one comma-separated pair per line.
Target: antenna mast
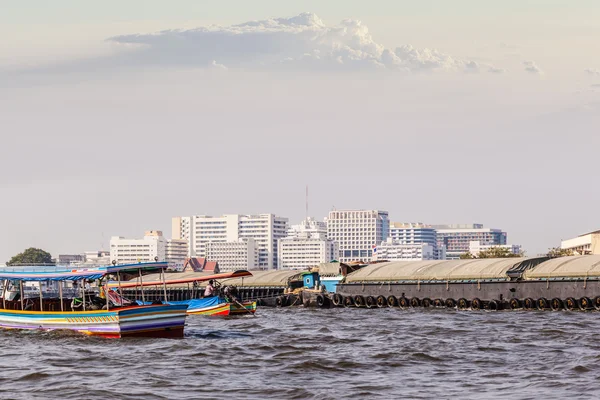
x,y
306,202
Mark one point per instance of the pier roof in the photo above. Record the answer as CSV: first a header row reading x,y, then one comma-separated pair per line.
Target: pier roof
x,y
567,267
441,270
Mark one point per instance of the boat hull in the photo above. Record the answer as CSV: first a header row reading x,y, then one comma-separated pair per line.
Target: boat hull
x,y
249,306
218,310
141,321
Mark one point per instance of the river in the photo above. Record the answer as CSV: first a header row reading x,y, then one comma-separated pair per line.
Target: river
x,y
298,353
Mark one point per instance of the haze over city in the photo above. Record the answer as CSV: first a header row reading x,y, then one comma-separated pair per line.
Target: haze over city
x,y
118,116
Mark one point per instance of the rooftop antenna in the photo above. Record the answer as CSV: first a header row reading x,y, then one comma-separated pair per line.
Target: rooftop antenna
x,y
307,202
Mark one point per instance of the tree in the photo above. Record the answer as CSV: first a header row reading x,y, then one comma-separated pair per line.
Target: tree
x,y
556,252
498,252
492,252
31,256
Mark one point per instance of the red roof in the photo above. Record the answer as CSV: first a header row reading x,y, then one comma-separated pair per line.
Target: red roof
x,y
199,264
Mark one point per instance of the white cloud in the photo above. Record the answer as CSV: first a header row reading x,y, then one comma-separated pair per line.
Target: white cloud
x,y
592,71
215,64
302,41
495,70
530,66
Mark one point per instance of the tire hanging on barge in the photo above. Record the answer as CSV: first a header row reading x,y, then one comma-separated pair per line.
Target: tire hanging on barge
x,y
381,301
463,303
392,301
556,304
337,300
404,303
584,303
476,304
370,302
514,304
359,301
415,302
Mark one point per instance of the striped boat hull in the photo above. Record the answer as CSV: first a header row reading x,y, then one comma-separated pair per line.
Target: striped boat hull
x,y
142,321
249,306
221,310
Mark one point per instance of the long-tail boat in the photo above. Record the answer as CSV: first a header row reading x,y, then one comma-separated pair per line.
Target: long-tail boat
x,y
82,310
213,306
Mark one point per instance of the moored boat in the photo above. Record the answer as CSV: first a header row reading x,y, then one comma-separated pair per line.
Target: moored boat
x,y
244,307
89,314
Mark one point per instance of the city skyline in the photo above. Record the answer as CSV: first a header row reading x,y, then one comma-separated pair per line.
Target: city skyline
x,y
118,116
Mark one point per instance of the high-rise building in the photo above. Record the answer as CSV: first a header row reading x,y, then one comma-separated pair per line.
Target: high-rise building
x,y
357,232
153,246
306,246
457,238
176,252
265,229
417,233
394,250
233,256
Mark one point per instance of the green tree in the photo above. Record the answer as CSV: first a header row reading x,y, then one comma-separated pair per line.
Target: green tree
x,y
556,252
498,252
493,252
31,256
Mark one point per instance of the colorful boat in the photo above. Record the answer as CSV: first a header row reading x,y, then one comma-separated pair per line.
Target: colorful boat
x,y
248,307
52,312
213,306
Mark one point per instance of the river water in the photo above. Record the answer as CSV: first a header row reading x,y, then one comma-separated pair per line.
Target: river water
x,y
298,353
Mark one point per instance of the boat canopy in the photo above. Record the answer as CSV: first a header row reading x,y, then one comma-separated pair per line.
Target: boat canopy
x,y
62,273
183,278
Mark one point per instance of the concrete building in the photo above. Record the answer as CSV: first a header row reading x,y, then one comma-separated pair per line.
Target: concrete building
x,y
265,229
417,233
176,252
309,225
456,239
127,251
70,259
96,258
475,247
357,232
588,243
233,256
394,250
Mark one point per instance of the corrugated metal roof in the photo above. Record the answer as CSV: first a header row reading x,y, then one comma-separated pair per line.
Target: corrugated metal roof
x,y
265,278
567,267
485,268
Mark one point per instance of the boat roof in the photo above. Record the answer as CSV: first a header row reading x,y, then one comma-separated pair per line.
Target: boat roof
x,y
63,273
182,278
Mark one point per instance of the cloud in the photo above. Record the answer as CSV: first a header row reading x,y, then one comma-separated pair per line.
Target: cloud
x,y
302,41
531,67
592,71
495,70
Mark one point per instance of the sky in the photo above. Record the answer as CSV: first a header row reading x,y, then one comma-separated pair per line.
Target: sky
x,y
118,115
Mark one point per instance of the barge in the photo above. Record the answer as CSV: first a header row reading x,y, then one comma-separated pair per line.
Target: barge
x,y
536,283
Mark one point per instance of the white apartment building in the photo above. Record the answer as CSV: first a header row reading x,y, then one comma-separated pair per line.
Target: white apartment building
x,y
456,239
475,247
128,251
588,243
176,252
417,233
265,229
233,256
357,232
309,225
394,250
